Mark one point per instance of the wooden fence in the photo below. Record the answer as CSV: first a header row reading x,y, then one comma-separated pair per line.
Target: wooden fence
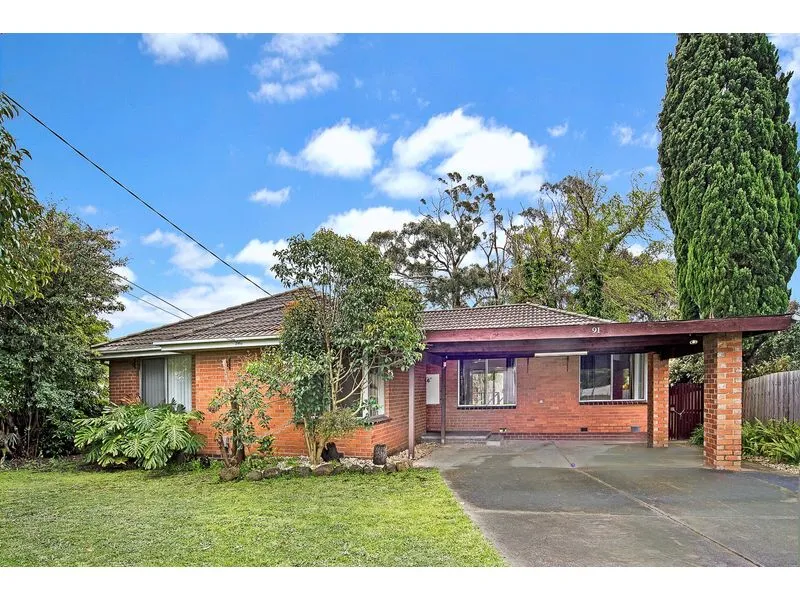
x,y
773,396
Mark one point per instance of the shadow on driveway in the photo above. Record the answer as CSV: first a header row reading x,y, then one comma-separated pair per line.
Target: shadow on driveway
x,y
570,503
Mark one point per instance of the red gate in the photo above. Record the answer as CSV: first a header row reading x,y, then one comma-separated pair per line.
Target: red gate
x,y
685,409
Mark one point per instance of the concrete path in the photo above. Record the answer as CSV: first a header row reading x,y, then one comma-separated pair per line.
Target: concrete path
x,y
594,504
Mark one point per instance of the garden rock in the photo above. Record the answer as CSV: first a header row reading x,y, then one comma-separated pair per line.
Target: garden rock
x,y
369,469
272,473
379,454
355,468
230,473
331,453
339,468
324,469
302,471
254,475
390,467
402,465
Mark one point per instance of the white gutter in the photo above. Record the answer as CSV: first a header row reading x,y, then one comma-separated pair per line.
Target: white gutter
x,y
168,347
133,354
215,344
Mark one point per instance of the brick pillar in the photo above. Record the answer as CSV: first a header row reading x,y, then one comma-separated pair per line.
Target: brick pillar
x,y
722,401
657,401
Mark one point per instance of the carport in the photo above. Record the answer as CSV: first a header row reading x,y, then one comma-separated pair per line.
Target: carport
x,y
720,340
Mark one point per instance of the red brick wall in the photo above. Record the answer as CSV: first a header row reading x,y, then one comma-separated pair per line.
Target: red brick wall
x,y
209,375
658,396
547,403
722,401
123,380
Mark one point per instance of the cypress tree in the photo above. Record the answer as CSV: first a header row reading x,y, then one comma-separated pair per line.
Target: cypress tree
x,y
729,160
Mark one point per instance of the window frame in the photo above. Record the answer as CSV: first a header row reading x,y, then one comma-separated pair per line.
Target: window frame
x,y
166,379
512,369
381,393
646,375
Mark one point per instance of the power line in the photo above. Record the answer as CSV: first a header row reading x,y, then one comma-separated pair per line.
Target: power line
x,y
155,296
154,305
135,195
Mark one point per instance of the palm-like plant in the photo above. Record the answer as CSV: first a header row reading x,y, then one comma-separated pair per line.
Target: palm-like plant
x,y
149,437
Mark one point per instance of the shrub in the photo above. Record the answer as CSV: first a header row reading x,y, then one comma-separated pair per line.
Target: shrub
x,y
150,437
245,406
777,440
696,437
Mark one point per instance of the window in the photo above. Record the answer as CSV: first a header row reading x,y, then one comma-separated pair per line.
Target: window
x,y
372,394
165,380
613,377
487,382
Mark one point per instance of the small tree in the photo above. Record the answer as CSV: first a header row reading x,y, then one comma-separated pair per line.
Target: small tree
x,y
355,319
236,427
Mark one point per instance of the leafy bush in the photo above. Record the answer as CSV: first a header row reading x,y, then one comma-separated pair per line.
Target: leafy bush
x,y
246,406
777,440
150,437
696,437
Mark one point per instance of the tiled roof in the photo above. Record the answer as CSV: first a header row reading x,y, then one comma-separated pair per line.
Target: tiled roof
x,y
259,318
501,316
262,318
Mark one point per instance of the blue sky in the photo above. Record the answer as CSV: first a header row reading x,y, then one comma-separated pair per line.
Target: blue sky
x,y
247,140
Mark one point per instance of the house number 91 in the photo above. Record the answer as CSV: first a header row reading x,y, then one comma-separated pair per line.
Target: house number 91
x,y
595,330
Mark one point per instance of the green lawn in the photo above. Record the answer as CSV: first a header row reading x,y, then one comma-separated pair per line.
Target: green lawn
x,y
119,518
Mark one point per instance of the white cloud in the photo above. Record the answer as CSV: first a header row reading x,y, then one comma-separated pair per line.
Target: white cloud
x,y
271,197
404,183
362,223
626,136
187,255
468,144
289,70
636,249
302,45
788,45
260,253
175,47
358,83
342,150
125,271
88,209
559,130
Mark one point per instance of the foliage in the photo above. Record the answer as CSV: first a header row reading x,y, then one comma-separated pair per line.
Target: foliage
x,y
697,436
236,427
729,160
150,437
687,369
27,257
354,319
48,376
777,440
433,253
773,352
574,251
137,518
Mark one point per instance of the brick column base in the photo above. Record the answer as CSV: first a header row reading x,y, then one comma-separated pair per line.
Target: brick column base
x,y
722,401
657,401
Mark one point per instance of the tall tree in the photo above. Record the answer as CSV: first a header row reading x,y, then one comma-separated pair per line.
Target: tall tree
x,y
574,250
48,373
456,252
27,258
729,160
356,323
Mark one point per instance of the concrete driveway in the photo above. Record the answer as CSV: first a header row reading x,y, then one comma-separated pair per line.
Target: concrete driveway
x,y
595,504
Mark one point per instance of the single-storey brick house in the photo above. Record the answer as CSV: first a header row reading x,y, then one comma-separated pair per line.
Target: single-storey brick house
x,y
519,371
